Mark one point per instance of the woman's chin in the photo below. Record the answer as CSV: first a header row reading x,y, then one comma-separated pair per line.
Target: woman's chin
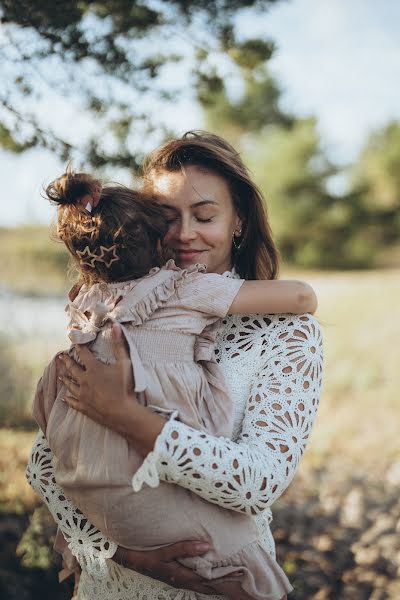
x,y
189,259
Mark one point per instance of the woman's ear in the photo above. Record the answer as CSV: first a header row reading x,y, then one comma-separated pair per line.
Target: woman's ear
x,y
238,225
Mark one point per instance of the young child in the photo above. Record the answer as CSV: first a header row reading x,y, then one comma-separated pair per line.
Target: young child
x,y
170,318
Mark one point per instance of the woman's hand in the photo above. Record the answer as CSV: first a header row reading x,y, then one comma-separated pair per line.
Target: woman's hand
x,y
162,564
105,394
100,391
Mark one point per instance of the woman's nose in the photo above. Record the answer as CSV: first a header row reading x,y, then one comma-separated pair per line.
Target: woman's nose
x,y
186,232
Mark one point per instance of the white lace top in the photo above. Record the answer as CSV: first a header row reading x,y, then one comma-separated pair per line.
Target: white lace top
x,y
273,367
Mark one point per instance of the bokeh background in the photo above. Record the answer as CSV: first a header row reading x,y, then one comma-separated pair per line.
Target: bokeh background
x,y
308,91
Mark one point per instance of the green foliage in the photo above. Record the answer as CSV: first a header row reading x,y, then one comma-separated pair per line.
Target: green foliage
x,y
9,143
109,60
313,227
251,53
34,547
256,108
378,168
377,177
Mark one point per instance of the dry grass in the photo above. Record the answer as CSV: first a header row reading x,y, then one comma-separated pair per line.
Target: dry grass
x,y
32,261
358,419
15,493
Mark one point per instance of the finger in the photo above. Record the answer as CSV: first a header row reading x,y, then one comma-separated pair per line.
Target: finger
x,y
85,357
183,550
71,385
71,368
120,345
181,577
72,402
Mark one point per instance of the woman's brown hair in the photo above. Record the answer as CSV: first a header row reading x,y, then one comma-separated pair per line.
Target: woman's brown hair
x,y
257,257
119,240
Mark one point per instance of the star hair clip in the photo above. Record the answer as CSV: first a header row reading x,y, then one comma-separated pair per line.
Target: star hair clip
x,y
88,258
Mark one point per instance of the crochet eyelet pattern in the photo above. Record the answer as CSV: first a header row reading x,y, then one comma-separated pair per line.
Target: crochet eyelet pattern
x,y
273,368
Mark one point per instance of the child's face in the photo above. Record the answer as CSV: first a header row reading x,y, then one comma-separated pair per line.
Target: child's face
x,y
201,215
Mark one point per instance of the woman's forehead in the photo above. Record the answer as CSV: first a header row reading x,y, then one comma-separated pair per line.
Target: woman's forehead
x,y
191,186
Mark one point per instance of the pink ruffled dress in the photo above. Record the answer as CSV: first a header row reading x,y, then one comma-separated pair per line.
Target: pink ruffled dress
x,y
170,319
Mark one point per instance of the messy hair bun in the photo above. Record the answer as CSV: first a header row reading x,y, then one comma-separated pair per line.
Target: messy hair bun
x,y
72,188
118,238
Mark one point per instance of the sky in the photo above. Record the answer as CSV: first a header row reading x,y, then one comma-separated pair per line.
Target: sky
x,y
335,59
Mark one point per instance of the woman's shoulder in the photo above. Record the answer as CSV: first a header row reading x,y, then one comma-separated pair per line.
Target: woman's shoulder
x,y
259,323
301,321
267,334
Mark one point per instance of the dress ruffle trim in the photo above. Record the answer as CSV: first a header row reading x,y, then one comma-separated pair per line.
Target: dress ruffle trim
x,y
263,578
159,295
114,303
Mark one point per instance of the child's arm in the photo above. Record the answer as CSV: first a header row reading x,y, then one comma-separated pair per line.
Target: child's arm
x,y
274,297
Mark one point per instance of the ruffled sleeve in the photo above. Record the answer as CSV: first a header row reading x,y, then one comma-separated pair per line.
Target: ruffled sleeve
x,y
210,293
133,301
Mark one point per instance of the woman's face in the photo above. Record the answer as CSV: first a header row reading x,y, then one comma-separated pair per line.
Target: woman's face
x,y
201,217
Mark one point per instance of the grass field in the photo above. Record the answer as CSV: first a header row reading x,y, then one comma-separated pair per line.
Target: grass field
x,y
355,436
33,262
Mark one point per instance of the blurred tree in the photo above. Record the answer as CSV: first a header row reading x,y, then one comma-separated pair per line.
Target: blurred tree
x,y
113,62
376,176
254,103
313,227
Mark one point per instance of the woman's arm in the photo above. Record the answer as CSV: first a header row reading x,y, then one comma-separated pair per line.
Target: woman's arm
x,y
274,297
85,542
91,548
250,474
246,475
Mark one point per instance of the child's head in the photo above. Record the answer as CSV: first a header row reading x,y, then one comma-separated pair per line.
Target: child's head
x,y
119,239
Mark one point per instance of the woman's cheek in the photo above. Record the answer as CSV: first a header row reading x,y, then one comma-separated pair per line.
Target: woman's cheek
x,y
218,235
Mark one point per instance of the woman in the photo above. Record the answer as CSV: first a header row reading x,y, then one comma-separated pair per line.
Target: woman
x,y
272,366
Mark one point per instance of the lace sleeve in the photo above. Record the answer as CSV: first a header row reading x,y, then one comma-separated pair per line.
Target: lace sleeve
x,y
85,542
248,475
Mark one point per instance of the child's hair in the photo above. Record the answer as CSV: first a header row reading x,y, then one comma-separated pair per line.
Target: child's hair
x,y
120,239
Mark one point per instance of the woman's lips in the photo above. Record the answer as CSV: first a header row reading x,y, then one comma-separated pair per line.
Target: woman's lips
x,y
188,254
